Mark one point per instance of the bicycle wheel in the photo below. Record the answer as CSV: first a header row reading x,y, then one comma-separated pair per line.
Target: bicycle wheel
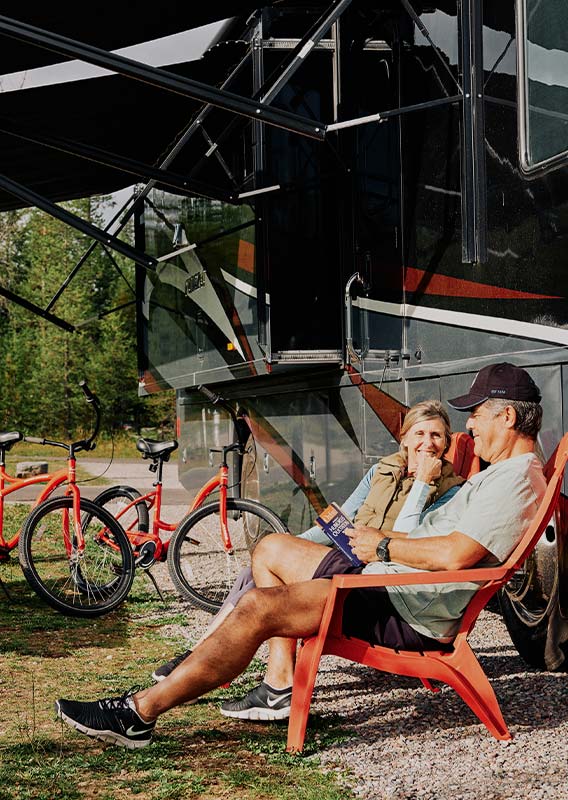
x,y
199,567
115,500
81,584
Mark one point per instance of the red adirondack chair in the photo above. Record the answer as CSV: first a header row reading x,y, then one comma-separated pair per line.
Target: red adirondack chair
x,y
460,453
459,667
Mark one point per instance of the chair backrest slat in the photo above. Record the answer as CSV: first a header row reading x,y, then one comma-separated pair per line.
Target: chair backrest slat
x,y
460,453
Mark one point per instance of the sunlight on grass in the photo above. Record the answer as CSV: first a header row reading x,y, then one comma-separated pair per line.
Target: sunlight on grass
x,y
196,753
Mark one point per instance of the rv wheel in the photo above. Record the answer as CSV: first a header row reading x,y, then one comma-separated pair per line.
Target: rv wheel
x,y
529,599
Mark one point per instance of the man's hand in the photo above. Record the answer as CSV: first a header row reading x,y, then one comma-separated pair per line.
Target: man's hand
x,y
364,542
429,468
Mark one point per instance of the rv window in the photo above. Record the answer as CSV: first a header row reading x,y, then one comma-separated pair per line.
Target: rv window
x,y
543,83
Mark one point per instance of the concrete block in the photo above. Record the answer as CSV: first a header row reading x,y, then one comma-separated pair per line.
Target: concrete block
x,y
26,469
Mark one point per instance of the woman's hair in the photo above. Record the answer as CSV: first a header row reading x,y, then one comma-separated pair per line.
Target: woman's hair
x,y
427,409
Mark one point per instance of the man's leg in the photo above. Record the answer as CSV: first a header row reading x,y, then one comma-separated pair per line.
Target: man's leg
x,y
289,611
243,583
270,556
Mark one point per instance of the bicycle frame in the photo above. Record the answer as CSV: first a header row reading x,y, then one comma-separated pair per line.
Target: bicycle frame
x,y
153,500
9,484
15,484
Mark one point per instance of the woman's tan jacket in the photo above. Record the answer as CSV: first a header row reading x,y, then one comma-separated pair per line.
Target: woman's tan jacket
x,y
390,487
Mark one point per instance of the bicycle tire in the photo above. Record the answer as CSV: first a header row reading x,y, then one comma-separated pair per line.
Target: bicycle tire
x,y
93,583
199,567
116,498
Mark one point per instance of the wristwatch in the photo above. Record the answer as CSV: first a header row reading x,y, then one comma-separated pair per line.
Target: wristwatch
x,y
382,550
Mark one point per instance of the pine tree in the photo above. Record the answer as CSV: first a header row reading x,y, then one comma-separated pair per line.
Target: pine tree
x,y
41,363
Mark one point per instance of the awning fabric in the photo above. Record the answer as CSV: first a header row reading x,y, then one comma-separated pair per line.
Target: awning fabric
x,y
111,112
114,113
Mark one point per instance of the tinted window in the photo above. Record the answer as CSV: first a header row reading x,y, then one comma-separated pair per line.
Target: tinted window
x,y
543,81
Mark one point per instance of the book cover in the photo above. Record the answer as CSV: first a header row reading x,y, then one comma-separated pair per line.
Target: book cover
x,y
334,523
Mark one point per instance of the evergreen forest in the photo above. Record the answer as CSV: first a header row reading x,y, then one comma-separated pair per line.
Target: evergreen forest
x,y
41,364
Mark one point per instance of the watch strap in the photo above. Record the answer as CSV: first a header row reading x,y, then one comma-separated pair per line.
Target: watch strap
x,y
382,550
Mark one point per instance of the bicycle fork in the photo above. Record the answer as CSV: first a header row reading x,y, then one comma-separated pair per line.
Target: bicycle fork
x,y
75,543
221,482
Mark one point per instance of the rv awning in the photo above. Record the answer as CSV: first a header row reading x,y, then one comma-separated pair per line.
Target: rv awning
x,y
70,105
74,106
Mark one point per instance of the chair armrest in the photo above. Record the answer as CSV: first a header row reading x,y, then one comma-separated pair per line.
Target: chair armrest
x,y
484,574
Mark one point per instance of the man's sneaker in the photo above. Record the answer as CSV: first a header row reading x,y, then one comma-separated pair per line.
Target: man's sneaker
x,y
262,703
162,672
114,719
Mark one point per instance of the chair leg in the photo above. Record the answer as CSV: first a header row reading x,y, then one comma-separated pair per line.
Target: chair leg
x,y
304,682
471,683
430,686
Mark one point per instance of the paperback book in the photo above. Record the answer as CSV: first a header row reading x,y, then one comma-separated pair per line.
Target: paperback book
x,y
334,523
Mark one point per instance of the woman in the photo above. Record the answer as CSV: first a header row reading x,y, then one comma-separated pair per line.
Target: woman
x,y
393,494
377,501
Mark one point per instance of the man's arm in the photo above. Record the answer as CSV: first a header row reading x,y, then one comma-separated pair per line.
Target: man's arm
x,y
456,551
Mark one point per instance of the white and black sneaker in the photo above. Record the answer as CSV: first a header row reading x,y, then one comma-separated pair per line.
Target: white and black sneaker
x,y
113,719
161,673
263,703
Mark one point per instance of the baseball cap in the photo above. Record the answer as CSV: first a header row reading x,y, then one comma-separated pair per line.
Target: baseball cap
x,y
503,381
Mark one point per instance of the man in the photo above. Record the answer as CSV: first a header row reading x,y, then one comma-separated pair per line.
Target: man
x,y
476,527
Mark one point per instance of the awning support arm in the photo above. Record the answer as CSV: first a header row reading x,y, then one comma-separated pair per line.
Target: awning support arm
x,y
395,112
103,314
162,79
34,199
14,298
117,267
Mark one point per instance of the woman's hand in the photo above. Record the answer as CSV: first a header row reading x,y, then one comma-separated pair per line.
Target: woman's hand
x,y
429,468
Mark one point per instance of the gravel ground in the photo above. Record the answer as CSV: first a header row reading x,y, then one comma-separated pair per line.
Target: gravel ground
x,y
406,743
409,743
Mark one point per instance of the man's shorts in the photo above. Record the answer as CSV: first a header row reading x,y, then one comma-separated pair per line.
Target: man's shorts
x,y
368,614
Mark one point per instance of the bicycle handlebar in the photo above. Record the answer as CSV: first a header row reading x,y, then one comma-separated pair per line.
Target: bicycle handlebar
x,y
216,399
90,397
211,396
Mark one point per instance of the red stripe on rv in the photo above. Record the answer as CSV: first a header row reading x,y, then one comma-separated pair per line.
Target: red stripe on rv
x,y
285,457
389,411
418,280
245,256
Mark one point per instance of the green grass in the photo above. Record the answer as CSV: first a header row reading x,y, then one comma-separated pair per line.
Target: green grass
x,y
122,445
197,753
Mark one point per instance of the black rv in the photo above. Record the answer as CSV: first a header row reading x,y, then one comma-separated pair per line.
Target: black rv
x,y
352,206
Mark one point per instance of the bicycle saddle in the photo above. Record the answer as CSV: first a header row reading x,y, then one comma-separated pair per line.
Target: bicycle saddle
x,y
153,449
8,438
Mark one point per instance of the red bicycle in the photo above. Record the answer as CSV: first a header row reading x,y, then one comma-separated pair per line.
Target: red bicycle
x,y
58,544
212,543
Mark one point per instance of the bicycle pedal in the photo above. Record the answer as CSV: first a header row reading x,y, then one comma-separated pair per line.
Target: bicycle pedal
x,y
4,554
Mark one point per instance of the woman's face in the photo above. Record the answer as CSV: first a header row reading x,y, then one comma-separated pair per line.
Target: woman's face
x,y
424,438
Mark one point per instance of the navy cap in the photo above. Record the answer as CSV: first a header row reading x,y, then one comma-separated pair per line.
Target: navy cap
x,y
498,381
